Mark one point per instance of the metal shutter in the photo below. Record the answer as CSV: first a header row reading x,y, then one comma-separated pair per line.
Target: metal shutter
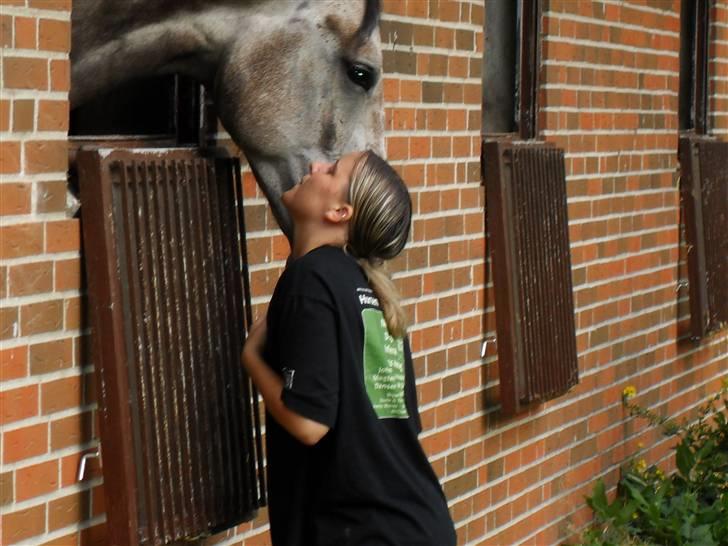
x,y
704,195
164,245
528,230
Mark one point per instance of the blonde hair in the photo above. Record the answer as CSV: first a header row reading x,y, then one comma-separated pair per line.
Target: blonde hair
x,y
378,230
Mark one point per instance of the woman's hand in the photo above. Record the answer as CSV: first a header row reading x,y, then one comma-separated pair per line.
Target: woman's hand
x,y
270,385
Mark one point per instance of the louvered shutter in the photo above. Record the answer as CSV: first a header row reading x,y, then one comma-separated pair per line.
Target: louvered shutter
x,y
164,246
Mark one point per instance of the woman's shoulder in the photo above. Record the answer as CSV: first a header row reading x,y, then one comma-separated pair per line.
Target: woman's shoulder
x,y
322,266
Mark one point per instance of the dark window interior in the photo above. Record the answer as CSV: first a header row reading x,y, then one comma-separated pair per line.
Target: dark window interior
x,y
169,110
694,38
511,65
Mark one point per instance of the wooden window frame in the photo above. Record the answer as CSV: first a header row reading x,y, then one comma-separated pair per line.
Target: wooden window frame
x,y
512,64
703,179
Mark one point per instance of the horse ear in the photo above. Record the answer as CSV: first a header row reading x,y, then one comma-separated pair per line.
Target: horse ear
x,y
370,20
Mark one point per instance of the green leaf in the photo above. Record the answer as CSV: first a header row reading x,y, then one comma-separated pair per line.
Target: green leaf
x,y
636,495
624,517
598,500
702,536
685,460
705,450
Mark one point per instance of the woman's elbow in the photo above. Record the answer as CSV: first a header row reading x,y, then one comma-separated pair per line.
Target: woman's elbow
x,y
311,433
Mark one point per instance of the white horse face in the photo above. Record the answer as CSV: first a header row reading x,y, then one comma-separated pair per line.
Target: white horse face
x,y
307,89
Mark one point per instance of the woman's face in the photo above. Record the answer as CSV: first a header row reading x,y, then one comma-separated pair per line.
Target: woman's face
x,y
326,185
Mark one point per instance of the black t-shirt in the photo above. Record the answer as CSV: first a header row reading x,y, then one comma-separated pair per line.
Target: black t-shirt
x,y
367,482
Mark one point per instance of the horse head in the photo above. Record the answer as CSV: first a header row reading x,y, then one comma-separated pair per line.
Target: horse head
x,y
304,91
294,81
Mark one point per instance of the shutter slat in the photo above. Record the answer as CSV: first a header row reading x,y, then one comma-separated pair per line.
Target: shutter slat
x,y
192,457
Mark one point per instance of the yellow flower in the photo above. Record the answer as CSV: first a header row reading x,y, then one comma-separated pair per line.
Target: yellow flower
x,y
634,515
659,473
629,392
641,465
640,445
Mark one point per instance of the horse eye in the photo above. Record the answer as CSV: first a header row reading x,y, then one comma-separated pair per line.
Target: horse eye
x,y
361,75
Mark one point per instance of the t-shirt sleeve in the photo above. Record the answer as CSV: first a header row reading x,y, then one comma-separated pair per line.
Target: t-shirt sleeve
x,y
309,358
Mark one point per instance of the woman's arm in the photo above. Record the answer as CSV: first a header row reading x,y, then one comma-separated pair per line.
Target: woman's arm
x,y
270,386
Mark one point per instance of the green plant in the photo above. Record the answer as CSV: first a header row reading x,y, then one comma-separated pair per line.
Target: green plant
x,y
689,507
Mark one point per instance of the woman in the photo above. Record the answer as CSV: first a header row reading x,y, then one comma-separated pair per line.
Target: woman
x,y
333,365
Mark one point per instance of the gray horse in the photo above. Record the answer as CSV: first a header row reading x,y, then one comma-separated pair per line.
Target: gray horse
x,y
293,81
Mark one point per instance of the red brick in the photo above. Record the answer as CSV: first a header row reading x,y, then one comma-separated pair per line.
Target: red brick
x,y
4,112
395,7
43,156
60,75
31,278
51,356
25,442
23,115
36,318
24,524
58,5
21,240
68,510
6,488
36,480
68,274
17,404
62,394
13,363
9,157
6,33
25,73
53,115
8,322
14,199
25,32
70,431
54,35
63,235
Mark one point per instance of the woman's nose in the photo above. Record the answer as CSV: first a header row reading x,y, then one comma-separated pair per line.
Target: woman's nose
x,y
320,166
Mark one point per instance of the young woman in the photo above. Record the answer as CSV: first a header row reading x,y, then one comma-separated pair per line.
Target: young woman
x,y
333,365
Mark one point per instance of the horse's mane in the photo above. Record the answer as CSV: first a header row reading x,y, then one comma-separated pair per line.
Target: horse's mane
x,y
369,21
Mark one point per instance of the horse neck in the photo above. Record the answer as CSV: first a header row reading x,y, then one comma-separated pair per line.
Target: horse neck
x,y
128,41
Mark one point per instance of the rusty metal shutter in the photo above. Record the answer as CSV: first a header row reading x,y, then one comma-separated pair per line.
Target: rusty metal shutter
x,y
528,231
704,195
164,237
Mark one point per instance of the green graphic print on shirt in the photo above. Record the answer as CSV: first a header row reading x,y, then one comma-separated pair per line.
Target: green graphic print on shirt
x,y
383,367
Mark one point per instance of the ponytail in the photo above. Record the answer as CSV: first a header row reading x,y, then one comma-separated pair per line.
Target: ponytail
x,y
388,296
378,230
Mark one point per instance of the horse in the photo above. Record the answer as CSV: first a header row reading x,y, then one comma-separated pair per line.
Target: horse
x,y
293,81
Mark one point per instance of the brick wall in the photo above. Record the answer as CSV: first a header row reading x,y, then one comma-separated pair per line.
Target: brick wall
x,y
45,409
609,99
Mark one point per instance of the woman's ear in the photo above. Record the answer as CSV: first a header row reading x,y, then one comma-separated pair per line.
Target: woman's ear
x,y
339,213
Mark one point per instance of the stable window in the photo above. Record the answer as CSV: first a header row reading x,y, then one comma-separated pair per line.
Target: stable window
x,y
164,249
526,215
703,177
